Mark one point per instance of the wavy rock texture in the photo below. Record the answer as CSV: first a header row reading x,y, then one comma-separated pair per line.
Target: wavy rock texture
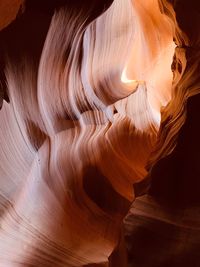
x,y
86,85
165,222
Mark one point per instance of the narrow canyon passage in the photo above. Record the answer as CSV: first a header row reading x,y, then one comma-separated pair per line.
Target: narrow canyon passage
x,y
99,158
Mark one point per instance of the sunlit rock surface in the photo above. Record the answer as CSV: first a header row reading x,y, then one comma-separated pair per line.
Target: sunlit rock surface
x,y
164,225
87,85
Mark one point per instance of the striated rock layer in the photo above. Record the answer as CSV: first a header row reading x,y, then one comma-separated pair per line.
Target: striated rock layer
x,y
164,225
86,84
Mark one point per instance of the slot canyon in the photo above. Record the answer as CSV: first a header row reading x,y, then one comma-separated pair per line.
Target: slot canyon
x,y
99,133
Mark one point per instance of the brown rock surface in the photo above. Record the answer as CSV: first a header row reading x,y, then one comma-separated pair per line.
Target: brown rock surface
x,y
8,11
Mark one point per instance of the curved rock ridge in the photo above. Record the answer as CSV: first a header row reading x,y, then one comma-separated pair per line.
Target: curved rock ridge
x,y
86,88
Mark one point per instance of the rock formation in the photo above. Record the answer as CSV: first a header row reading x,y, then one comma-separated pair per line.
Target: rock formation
x,y
94,115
